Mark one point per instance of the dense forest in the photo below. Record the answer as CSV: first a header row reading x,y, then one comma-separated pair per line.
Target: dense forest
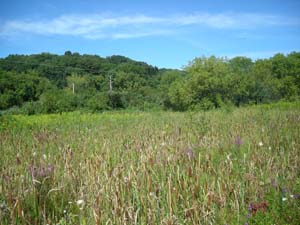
x,y
49,83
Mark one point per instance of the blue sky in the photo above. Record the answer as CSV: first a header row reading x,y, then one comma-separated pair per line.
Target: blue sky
x,y
162,33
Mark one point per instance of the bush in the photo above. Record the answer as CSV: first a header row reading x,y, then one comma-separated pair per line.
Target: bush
x,y
30,108
115,100
55,101
204,104
98,102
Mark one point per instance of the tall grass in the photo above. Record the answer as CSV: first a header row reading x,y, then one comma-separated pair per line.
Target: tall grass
x,y
233,167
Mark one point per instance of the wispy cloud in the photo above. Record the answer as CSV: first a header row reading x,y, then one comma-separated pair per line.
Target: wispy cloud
x,y
121,27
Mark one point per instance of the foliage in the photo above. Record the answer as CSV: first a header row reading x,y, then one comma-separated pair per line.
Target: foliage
x,y
205,83
215,82
98,102
54,101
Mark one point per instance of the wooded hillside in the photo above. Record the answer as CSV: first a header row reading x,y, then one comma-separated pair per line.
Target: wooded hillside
x,y
43,83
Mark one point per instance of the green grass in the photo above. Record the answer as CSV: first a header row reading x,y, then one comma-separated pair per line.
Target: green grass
x,y
152,167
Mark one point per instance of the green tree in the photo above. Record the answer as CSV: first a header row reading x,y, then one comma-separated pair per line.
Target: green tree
x,y
56,101
98,102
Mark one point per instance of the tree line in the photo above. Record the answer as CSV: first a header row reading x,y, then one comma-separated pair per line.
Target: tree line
x,y
49,83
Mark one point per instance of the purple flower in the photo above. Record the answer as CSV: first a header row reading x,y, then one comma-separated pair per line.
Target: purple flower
x,y
285,190
295,196
189,153
250,207
41,172
238,141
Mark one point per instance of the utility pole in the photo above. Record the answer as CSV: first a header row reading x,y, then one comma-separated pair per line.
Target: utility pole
x,y
110,83
73,88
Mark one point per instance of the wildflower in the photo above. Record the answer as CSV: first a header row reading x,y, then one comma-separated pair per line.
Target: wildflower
x,y
34,154
79,202
284,199
152,194
228,156
44,156
126,179
285,190
270,148
260,144
189,153
238,141
295,196
41,171
253,208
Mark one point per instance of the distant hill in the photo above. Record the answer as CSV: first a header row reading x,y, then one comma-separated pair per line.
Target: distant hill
x,y
49,83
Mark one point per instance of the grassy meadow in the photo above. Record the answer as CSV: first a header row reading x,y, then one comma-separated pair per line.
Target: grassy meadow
x,y
239,166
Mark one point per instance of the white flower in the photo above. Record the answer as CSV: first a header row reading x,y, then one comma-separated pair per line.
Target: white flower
x,y
152,194
292,196
270,148
228,156
284,199
260,144
44,156
34,154
80,202
126,179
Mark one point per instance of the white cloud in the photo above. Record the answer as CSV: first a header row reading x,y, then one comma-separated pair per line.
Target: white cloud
x,y
236,21
141,34
120,27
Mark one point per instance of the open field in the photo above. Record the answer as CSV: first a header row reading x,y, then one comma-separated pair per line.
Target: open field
x,y
218,167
